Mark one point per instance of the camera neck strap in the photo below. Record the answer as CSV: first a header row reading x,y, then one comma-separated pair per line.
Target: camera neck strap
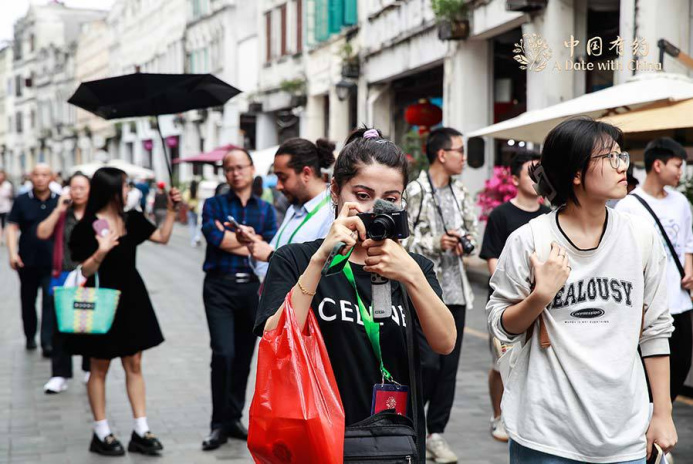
x,y
372,327
434,193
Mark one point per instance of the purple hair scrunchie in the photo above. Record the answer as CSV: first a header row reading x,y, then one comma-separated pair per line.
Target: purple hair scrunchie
x,y
371,134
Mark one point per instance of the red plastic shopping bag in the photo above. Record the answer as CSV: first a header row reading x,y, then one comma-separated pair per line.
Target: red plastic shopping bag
x,y
296,415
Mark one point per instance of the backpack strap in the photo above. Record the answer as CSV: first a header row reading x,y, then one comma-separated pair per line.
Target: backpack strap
x,y
541,228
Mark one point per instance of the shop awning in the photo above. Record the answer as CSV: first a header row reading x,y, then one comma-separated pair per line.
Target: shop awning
x,y
657,116
210,157
643,90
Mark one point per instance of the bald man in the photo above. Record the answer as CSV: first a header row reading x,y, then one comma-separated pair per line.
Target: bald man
x,y
33,259
230,293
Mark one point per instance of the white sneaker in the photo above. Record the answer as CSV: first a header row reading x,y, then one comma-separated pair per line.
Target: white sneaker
x,y
55,385
498,429
439,450
86,377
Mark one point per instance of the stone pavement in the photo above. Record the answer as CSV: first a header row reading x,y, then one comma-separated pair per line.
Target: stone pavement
x,y
37,428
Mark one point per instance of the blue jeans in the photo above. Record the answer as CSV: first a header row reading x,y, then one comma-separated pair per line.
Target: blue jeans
x,y
192,226
522,455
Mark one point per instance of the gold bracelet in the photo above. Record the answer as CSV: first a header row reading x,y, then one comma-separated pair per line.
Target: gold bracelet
x,y
303,289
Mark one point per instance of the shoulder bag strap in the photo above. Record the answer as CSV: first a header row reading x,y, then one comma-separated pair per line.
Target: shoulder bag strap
x,y
542,246
664,234
420,434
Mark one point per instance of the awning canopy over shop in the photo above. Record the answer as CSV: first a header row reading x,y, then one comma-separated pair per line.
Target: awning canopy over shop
x,y
616,101
209,157
664,115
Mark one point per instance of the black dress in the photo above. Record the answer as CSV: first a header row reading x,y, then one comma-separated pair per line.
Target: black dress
x,y
135,327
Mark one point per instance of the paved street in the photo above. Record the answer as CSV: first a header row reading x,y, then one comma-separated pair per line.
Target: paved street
x,y
36,428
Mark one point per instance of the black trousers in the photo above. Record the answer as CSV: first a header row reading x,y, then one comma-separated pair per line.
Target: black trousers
x,y
61,360
32,279
439,374
680,346
230,309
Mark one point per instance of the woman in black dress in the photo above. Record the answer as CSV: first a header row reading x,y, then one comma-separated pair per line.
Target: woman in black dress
x,y
135,328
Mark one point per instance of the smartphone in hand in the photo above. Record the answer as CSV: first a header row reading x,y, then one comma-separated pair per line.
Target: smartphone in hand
x,y
233,222
657,455
100,227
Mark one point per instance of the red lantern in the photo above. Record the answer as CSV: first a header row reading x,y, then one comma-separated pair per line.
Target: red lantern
x,y
423,113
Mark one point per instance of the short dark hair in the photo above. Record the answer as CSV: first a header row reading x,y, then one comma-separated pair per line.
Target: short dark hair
x,y
304,153
663,149
568,149
520,159
439,139
76,175
359,151
235,148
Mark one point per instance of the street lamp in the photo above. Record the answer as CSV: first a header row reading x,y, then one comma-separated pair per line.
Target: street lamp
x,y
345,88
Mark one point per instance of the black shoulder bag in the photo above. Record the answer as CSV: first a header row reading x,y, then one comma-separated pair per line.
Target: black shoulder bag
x,y
664,234
387,437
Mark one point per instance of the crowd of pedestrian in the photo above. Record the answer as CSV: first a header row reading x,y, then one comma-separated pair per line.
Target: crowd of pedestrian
x,y
580,303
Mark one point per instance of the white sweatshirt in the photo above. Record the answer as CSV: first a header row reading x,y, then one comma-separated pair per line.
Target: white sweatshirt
x,y
585,397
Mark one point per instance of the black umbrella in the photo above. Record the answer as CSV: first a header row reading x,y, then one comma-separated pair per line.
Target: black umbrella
x,y
143,94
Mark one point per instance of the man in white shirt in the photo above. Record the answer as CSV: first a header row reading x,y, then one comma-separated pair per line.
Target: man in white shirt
x,y
664,159
298,165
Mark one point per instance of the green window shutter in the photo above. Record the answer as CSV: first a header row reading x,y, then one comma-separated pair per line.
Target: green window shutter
x,y
350,12
336,19
321,20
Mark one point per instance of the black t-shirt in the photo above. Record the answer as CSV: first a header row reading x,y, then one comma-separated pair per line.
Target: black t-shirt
x,y
503,221
28,211
355,366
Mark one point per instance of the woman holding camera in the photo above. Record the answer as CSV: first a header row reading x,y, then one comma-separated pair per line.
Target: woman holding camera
x,y
368,168
105,241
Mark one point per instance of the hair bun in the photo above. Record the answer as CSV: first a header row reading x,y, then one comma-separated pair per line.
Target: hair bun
x,y
325,152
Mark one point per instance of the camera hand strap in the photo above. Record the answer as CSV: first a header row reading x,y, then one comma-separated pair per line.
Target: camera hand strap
x,y
437,205
372,327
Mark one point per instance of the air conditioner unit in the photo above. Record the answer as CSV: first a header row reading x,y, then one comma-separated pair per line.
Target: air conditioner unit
x,y
525,6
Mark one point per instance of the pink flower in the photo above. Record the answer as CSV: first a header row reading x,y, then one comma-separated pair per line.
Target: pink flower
x,y
497,190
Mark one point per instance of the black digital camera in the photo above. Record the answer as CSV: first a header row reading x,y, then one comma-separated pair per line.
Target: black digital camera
x,y
379,226
467,245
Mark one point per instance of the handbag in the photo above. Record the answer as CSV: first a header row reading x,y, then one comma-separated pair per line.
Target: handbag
x,y
296,415
388,437
85,310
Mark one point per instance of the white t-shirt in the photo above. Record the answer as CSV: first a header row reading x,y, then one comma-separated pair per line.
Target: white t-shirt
x,y
674,212
5,197
585,397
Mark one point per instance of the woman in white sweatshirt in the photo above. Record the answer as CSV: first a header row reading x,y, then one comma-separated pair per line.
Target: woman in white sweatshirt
x,y
577,391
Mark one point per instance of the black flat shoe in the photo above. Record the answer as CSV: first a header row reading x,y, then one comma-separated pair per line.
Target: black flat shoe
x,y
215,439
47,352
237,430
31,344
109,447
148,444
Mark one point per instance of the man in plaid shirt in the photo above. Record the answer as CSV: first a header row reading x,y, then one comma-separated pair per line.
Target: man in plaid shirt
x,y
231,293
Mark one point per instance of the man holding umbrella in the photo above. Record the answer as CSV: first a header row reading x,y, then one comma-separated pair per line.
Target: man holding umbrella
x,y
231,292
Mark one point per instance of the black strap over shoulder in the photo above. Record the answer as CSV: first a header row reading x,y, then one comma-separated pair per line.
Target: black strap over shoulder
x,y
423,193
664,234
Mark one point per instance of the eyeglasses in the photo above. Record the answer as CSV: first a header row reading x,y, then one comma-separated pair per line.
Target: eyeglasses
x,y
615,159
459,150
234,169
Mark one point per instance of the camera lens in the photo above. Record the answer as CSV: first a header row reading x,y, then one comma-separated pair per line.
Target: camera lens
x,y
381,228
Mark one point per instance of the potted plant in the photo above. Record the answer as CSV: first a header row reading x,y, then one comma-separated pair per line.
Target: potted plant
x,y
453,19
297,89
350,62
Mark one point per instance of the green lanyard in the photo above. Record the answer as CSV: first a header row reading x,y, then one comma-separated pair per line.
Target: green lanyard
x,y
372,327
306,219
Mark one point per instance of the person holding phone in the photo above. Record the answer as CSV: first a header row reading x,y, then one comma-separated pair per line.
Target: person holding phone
x,y
105,241
230,292
59,226
368,168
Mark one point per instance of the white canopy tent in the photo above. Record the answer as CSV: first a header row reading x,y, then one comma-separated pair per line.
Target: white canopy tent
x,y
642,90
133,171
